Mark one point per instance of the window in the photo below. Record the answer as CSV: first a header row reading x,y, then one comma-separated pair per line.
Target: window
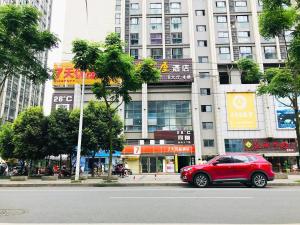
x,y
201,28
223,34
134,6
240,159
209,142
224,50
134,39
204,91
243,36
177,53
202,43
225,159
203,59
224,78
176,38
220,4
155,8
169,115
204,75
221,19
134,21
157,53
175,7
207,125
117,18
200,12
176,23
133,116
206,108
118,30
240,4
134,53
234,145
242,19
223,37
246,52
156,39
270,52
156,24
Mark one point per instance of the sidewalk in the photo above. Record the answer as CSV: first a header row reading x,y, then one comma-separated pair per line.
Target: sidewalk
x,y
133,180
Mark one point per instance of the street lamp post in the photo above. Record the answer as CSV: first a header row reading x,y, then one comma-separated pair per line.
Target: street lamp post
x,y
80,129
77,171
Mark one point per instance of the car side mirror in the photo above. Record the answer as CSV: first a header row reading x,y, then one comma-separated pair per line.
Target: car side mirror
x,y
215,163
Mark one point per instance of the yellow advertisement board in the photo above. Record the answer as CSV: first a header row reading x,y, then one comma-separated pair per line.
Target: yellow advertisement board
x,y
241,110
66,74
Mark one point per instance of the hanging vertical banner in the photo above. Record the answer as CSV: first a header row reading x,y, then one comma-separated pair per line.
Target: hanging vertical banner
x,y
241,111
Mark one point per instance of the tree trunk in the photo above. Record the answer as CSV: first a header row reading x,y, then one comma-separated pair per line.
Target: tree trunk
x,y
60,162
70,164
110,150
93,164
296,108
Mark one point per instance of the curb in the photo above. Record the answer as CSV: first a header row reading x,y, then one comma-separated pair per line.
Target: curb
x,y
127,185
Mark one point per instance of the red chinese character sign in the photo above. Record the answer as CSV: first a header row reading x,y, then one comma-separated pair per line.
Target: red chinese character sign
x,y
264,145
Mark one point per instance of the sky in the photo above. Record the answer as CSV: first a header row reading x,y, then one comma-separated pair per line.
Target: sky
x,y
57,27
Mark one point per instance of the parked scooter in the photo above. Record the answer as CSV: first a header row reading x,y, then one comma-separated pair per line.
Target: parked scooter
x,y
120,170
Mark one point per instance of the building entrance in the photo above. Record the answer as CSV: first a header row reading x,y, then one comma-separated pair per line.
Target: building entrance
x,y
152,164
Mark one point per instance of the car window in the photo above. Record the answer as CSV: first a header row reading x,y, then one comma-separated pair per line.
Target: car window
x,y
252,158
240,159
225,159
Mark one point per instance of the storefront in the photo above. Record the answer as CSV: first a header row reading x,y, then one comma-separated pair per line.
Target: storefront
x,y
158,158
282,153
101,159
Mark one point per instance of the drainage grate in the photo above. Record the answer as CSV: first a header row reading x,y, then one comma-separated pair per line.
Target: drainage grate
x,y
11,212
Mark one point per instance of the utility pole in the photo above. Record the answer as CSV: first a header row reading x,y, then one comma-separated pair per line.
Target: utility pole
x,y
77,171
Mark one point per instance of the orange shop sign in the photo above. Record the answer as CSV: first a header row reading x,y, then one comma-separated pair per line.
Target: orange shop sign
x,y
160,149
66,74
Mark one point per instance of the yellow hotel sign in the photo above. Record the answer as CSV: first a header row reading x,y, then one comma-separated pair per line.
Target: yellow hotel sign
x,y
241,111
66,74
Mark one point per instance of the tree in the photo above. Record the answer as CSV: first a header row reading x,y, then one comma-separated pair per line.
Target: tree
x,y
118,73
30,135
21,43
95,136
6,141
60,136
277,17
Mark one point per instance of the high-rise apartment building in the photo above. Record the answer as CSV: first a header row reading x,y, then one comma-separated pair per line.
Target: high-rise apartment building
x,y
19,92
203,105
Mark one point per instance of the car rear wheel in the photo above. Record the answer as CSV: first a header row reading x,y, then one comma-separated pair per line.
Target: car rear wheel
x,y
259,180
201,180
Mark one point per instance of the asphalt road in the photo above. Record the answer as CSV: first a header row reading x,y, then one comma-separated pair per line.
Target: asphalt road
x,y
221,205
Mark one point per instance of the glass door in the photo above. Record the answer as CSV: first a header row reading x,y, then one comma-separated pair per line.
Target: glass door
x,y
145,164
152,164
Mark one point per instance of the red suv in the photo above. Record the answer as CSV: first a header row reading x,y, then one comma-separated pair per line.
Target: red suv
x,y
249,169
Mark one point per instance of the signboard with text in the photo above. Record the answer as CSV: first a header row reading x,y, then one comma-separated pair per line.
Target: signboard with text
x,y
62,100
265,145
180,136
241,111
285,115
175,70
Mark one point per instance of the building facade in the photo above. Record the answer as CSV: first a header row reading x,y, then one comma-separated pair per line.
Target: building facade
x,y
203,106
19,92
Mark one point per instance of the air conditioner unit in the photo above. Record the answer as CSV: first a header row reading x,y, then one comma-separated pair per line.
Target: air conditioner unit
x,y
152,142
142,142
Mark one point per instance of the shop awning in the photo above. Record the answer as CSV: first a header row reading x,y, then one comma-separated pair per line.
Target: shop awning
x,y
159,150
281,154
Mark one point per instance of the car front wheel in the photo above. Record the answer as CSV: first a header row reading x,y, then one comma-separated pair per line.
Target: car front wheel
x,y
201,180
259,180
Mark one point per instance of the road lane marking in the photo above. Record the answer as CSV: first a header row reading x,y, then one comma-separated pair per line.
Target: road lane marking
x,y
178,197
